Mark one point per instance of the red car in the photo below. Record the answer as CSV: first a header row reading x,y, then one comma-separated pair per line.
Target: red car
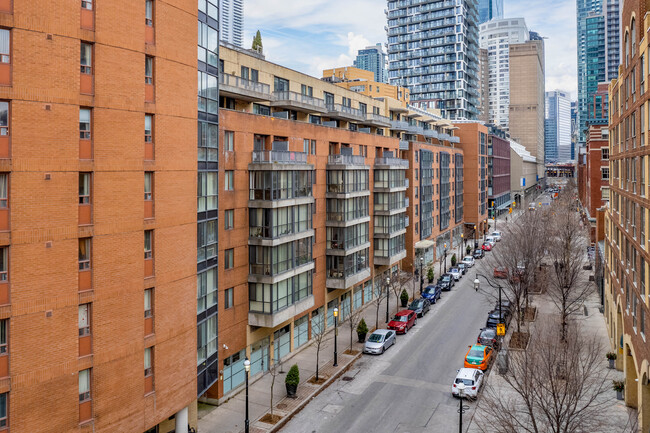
x,y
403,321
486,247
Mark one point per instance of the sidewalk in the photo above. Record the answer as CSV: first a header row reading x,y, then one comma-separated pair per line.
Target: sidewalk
x,y
229,417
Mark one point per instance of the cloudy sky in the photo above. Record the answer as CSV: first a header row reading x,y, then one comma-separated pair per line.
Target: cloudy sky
x,y
312,35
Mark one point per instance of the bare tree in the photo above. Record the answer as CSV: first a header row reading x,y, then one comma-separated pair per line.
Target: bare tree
x,y
381,294
273,371
567,249
551,386
318,335
353,320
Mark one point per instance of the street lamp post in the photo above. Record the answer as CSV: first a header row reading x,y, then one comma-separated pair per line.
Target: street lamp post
x,y
445,258
461,408
460,245
336,333
477,284
247,367
421,275
475,237
387,297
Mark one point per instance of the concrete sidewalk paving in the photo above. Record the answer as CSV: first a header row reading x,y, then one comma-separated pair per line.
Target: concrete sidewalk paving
x,y
229,417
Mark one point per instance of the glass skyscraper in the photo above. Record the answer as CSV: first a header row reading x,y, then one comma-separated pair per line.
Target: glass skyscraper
x,y
557,127
433,51
489,10
373,59
598,52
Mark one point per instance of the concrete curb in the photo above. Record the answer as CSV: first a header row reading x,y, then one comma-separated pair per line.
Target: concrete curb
x,y
310,397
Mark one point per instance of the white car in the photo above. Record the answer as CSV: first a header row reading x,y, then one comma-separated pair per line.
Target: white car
x,y
491,241
455,272
472,378
379,341
469,261
496,236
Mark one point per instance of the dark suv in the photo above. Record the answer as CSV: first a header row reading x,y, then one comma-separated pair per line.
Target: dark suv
x,y
478,253
446,282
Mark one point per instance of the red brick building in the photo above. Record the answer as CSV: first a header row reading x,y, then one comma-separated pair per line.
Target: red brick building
x,y
96,335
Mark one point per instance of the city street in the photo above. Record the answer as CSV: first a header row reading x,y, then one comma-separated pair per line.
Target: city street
x,y
408,389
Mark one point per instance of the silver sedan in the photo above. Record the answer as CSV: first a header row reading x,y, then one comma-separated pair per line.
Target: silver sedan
x,y
379,341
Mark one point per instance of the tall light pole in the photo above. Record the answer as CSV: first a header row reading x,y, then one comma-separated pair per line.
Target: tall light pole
x,y
461,409
477,284
387,297
460,245
445,258
336,333
475,237
247,367
421,275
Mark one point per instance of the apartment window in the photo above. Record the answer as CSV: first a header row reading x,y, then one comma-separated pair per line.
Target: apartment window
x,y
245,72
313,147
634,308
4,118
84,320
148,185
5,46
148,361
228,298
604,152
148,128
207,339
148,244
229,258
87,4
229,219
84,124
3,410
229,142
207,191
84,254
604,173
86,58
255,75
84,385
206,289
280,84
229,180
306,90
148,303
148,19
84,188
4,334
148,70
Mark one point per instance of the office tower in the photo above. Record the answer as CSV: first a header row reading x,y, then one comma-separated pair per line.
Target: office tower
x,y
97,217
496,36
557,126
231,19
484,88
373,59
527,92
598,52
490,10
433,51
625,291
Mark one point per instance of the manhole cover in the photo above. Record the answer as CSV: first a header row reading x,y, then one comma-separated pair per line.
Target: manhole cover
x,y
281,406
347,378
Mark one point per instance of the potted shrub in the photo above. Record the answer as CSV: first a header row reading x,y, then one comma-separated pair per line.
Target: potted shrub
x,y
362,330
468,250
453,260
611,356
292,380
404,298
430,275
619,387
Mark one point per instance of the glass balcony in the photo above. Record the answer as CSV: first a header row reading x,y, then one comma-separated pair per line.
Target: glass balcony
x,y
230,85
279,156
298,101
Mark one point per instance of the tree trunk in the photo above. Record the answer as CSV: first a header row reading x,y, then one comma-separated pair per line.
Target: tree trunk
x,y
317,353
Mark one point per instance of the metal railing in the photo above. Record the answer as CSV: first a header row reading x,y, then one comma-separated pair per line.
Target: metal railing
x,y
399,124
346,159
243,84
392,161
378,118
287,95
279,156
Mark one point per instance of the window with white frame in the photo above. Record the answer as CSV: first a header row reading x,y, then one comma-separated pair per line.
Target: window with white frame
x,y
84,320
84,385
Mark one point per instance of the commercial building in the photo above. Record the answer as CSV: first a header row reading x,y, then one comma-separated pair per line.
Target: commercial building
x,y
319,202
97,198
361,81
496,36
557,127
527,92
375,60
484,89
523,173
499,184
626,220
598,51
490,10
433,51
231,18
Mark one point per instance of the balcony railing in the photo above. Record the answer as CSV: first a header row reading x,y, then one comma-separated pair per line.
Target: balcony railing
x,y
396,162
399,125
243,84
431,133
345,111
378,119
403,145
279,156
294,97
346,159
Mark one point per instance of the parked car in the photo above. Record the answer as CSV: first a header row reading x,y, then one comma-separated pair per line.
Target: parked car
x,y
455,272
478,253
462,267
478,356
531,206
468,261
446,282
432,293
403,321
471,378
500,272
490,240
493,318
505,305
420,306
486,246
379,341
488,337
496,236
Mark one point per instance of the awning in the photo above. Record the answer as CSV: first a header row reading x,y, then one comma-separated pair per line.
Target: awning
x,y
422,245
505,205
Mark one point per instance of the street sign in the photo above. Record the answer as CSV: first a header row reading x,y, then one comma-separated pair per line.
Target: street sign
x,y
501,329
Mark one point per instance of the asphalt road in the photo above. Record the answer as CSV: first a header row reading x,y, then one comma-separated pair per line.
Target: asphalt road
x,y
408,388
